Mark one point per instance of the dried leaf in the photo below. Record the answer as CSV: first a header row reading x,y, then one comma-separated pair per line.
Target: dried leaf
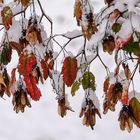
x,y
109,44
7,16
127,71
69,70
45,69
116,13
125,118
25,3
16,46
20,100
90,27
6,79
33,34
106,85
78,11
89,112
108,1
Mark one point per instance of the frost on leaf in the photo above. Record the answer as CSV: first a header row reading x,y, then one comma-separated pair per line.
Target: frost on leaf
x,y
32,88
27,62
7,16
69,70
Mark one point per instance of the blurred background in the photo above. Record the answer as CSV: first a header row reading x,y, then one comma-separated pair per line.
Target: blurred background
x,y
42,122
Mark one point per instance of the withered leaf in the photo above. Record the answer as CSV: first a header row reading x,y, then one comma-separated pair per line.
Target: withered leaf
x,y
7,16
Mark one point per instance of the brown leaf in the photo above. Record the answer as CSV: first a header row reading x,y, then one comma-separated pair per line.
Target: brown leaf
x,y
16,46
109,44
125,118
108,1
33,34
25,3
127,71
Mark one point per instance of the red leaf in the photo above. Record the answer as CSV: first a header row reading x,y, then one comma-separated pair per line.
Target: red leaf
x,y
69,70
26,63
32,89
45,69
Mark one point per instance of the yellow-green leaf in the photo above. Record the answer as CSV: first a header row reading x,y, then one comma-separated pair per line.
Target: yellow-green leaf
x,y
75,87
135,109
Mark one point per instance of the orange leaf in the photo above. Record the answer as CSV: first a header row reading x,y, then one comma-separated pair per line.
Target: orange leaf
x,y
32,89
69,70
78,11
